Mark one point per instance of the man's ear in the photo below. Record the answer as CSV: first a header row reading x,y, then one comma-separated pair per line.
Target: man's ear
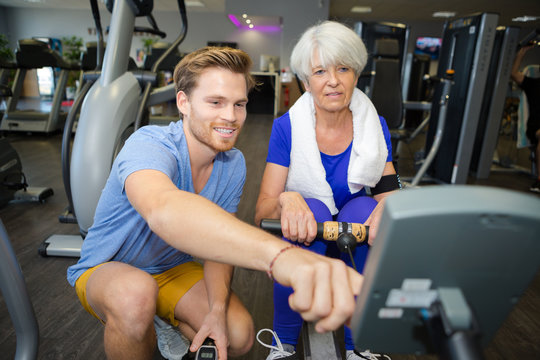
x,y
182,102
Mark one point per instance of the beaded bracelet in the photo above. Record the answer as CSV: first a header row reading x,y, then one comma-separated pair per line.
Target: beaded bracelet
x,y
269,272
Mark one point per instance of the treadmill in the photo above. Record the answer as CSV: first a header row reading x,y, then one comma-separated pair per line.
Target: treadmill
x,y
35,54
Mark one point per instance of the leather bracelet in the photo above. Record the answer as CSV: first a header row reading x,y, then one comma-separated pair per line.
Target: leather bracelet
x,y
270,268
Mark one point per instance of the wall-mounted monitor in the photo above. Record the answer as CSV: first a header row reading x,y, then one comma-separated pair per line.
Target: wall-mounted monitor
x,y
428,46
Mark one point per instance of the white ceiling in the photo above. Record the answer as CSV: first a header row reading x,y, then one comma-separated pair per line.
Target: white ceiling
x,y
405,11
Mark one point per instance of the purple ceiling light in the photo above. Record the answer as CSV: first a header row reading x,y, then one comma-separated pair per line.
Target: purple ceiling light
x,y
261,28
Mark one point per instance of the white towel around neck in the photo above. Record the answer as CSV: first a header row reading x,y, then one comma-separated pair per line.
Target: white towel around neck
x,y
368,155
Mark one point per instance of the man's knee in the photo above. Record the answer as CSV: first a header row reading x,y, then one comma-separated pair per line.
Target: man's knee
x,y
241,331
134,300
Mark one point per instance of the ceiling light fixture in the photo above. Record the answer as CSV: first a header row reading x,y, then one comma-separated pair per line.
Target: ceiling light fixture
x,y
525,18
444,14
260,28
361,9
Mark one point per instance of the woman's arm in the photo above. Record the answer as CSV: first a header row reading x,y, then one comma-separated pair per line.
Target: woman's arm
x,y
272,185
375,217
297,220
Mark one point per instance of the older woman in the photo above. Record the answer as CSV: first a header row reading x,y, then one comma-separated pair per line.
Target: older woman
x,y
322,155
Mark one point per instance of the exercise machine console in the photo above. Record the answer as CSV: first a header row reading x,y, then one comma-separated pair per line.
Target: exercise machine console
x,y
442,278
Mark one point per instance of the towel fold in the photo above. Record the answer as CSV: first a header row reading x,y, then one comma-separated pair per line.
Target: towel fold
x,y
368,156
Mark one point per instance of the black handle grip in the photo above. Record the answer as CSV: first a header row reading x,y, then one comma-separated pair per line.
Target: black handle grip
x,y
327,230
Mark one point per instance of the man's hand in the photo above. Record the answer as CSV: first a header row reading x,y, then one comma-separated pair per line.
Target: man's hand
x,y
324,288
215,327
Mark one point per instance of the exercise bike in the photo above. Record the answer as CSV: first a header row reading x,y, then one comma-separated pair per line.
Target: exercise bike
x,y
347,236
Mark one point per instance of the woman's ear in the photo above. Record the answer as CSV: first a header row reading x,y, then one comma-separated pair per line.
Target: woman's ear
x,y
306,86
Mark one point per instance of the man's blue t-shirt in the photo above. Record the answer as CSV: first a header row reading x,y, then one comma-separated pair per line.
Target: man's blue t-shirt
x,y
119,233
336,166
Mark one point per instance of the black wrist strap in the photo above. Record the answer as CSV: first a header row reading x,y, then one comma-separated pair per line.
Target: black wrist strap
x,y
387,183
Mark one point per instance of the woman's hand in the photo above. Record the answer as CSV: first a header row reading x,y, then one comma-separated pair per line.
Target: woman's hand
x,y
297,220
373,221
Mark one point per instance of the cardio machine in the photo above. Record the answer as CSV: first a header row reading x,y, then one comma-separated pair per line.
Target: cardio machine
x,y
35,54
441,279
113,107
18,302
13,185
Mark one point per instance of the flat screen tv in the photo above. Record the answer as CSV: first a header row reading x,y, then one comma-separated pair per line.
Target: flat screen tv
x,y
428,46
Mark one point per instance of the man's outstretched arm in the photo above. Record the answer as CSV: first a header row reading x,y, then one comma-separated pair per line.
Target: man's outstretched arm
x,y
324,288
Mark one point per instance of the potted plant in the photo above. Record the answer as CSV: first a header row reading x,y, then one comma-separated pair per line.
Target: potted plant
x,y
6,59
6,54
71,52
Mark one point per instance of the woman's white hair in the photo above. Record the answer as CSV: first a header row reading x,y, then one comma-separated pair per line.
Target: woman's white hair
x,y
336,45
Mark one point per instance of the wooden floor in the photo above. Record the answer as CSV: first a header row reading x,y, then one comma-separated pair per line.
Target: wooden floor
x,y
68,332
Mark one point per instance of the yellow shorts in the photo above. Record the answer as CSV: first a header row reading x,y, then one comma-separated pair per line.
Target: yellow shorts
x,y
173,284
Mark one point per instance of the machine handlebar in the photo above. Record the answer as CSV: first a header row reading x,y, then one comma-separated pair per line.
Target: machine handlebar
x,y
328,230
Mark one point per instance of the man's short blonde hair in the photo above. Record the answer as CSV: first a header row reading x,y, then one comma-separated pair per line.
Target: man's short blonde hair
x,y
188,70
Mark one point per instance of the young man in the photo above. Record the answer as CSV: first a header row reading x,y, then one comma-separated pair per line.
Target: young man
x,y
170,196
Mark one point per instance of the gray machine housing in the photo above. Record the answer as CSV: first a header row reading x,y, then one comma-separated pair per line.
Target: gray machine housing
x,y
480,241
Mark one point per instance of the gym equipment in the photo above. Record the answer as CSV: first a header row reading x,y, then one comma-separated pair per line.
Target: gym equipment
x,y
466,47
166,67
207,351
532,38
500,68
112,108
13,186
442,278
445,85
370,32
35,54
347,235
415,88
503,161
17,301
328,230
386,95
386,82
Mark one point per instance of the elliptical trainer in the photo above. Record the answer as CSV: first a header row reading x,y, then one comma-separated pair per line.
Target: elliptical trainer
x,y
108,116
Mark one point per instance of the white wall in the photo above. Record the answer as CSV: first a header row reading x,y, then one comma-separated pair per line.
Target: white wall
x,y
297,16
22,23
3,21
